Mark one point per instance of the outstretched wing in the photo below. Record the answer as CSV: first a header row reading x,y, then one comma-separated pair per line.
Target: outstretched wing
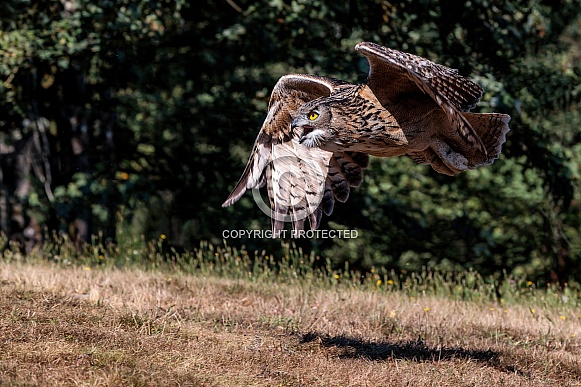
x,y
396,77
302,182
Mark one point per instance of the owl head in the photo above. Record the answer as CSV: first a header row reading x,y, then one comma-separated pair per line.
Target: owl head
x,y
322,120
314,121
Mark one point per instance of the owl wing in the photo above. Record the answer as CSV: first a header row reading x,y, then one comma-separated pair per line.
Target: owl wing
x,y
301,182
396,76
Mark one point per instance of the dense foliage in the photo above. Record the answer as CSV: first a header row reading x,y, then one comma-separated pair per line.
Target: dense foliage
x,y
141,114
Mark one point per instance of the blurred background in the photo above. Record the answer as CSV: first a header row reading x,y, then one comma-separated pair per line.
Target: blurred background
x,y
139,116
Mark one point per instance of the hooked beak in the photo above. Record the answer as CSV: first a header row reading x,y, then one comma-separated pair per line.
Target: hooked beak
x,y
296,123
310,136
299,123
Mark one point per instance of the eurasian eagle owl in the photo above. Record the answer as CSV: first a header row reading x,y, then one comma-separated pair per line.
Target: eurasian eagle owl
x,y
319,132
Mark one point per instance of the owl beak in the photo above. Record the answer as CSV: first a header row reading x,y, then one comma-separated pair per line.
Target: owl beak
x,y
306,130
295,123
299,123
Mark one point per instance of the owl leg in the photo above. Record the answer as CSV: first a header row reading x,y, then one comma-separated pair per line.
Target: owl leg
x,y
452,159
428,156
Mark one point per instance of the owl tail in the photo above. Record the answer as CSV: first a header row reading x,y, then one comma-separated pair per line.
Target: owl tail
x,y
492,129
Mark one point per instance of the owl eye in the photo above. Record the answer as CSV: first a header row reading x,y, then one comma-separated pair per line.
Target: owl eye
x,y
313,115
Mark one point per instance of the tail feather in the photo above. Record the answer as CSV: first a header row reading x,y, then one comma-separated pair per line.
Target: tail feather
x,y
492,129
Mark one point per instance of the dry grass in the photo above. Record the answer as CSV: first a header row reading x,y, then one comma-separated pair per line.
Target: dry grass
x,y
71,326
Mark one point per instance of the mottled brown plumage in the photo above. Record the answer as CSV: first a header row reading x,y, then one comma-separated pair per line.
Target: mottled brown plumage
x,y
319,131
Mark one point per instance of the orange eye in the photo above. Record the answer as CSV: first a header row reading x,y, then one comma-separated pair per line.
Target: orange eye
x,y
313,116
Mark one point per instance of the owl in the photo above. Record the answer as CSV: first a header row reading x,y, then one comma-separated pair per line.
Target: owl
x,y
319,132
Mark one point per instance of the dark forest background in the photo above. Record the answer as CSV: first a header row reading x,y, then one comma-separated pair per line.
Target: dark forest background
x,y
139,115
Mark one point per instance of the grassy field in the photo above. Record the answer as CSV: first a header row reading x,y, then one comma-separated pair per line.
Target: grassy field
x,y
63,324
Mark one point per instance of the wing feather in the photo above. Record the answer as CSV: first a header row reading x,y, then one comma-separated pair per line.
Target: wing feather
x,y
253,176
396,76
302,183
289,93
458,90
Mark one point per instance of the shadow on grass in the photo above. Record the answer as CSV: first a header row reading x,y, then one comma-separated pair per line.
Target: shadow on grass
x,y
412,350
416,351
